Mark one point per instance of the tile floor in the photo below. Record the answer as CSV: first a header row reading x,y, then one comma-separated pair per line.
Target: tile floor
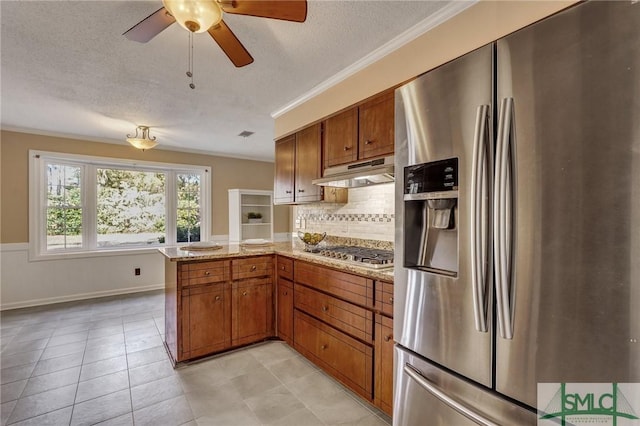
x,y
101,361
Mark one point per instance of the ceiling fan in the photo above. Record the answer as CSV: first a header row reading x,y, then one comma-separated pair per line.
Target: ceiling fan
x,y
198,16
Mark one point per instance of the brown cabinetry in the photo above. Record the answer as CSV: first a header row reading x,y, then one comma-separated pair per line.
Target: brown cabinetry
x,y
284,301
284,170
383,335
347,359
362,132
207,312
297,164
252,299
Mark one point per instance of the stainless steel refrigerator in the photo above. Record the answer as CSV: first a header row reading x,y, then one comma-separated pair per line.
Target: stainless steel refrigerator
x,y
518,220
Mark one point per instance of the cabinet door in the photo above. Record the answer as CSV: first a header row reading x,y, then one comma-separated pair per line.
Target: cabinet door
x,y
284,170
384,364
341,138
307,164
285,310
206,320
376,119
252,315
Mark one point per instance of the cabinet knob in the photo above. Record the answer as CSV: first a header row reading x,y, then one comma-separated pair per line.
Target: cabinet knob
x,y
217,298
207,273
391,299
323,347
285,293
253,268
347,148
325,308
244,293
282,267
287,192
368,141
387,337
300,190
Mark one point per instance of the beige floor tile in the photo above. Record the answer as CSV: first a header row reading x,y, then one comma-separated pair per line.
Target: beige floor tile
x,y
175,411
254,382
298,418
236,414
156,391
210,401
100,409
274,404
292,369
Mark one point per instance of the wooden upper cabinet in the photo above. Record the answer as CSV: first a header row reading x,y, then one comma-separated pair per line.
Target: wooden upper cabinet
x,y
341,138
308,143
284,170
376,130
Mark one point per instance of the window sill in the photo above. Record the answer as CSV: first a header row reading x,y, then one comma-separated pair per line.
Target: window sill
x,y
33,257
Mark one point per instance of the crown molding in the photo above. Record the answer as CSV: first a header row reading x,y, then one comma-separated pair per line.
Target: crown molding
x,y
439,17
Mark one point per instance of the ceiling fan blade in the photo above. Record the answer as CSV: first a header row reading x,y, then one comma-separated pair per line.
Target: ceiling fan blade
x,y
150,26
230,44
287,10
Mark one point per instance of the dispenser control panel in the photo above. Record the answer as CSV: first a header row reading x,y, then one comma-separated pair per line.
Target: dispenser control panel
x,y
435,176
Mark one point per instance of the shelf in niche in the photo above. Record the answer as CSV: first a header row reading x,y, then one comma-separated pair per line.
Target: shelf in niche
x,y
254,224
256,205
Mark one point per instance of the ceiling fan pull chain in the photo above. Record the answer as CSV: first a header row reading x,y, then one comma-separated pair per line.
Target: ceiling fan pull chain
x,y
190,71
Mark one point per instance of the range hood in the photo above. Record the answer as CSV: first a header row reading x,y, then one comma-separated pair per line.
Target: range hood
x,y
355,175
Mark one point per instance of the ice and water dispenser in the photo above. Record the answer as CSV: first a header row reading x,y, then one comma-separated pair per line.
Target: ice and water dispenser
x,y
431,217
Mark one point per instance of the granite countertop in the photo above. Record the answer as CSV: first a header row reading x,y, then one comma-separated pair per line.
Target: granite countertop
x,y
287,249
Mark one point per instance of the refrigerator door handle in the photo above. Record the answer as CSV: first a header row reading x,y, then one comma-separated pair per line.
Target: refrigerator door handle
x,y
481,170
503,212
434,390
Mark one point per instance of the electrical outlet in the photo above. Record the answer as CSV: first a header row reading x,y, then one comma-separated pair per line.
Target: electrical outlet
x,y
137,271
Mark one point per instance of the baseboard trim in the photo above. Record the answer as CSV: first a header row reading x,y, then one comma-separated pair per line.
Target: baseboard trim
x,y
79,296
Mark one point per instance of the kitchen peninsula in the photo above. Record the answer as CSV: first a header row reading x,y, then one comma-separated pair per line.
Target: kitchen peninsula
x,y
336,314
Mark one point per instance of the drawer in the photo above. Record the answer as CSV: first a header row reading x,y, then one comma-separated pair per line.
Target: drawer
x,y
351,319
384,297
353,288
285,267
197,273
252,267
347,359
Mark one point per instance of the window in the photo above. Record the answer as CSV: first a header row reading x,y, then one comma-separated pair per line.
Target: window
x,y
81,204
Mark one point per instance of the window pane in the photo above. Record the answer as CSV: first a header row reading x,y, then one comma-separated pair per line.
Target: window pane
x,y
188,212
64,206
131,207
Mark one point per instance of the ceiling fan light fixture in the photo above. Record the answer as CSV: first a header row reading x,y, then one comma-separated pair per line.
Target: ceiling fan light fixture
x,y
196,16
141,139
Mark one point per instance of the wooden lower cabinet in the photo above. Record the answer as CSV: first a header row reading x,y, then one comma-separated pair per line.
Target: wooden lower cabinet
x,y
285,310
344,357
206,312
383,394
252,310
206,315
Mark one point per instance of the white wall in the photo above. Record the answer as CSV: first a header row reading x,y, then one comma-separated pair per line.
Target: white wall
x,y
25,283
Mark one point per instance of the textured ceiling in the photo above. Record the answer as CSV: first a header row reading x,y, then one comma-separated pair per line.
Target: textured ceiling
x,y
67,70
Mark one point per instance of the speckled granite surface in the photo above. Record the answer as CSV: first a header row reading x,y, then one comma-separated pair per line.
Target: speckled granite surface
x,y
293,250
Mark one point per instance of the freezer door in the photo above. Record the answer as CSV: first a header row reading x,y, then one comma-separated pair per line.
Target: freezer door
x,y
568,225
444,114
428,395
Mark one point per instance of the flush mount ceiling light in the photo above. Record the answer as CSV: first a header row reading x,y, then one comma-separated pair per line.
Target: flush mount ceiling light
x,y
141,139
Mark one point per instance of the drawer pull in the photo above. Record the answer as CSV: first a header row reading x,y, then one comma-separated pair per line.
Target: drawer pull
x,y
217,298
282,267
369,141
207,273
387,337
391,300
325,308
285,293
244,293
253,268
347,148
323,347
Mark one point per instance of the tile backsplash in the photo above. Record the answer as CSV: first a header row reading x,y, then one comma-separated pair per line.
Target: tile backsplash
x,y
369,214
